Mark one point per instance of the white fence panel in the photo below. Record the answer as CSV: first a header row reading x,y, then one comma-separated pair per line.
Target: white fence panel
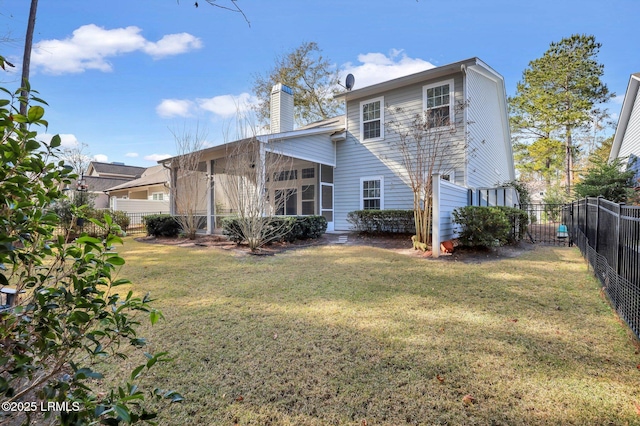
x,y
446,198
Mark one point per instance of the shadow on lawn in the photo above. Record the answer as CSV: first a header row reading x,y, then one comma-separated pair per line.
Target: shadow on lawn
x,y
291,341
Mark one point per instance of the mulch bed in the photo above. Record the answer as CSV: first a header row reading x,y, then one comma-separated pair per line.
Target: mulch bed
x,y
397,243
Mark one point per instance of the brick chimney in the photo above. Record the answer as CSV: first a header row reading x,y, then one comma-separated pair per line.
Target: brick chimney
x,y
281,108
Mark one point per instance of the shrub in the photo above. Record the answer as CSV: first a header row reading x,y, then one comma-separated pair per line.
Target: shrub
x,y
118,217
161,225
279,228
519,220
482,226
382,221
70,318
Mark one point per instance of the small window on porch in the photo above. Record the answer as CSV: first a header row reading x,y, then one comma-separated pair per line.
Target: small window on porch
x,y
308,173
286,202
309,199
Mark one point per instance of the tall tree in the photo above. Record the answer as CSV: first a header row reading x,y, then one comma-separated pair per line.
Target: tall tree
x,y
559,94
312,78
26,58
613,181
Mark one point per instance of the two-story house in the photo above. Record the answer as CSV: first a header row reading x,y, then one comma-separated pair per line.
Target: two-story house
x,y
626,142
351,162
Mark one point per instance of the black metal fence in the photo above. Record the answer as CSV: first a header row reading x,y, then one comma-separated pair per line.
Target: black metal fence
x,y
608,235
546,224
135,225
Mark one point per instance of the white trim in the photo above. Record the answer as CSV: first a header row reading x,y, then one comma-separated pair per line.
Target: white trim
x,y
300,157
452,95
361,191
162,198
451,173
362,104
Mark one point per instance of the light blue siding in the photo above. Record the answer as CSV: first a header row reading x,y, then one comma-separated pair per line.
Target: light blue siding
x,y
316,148
357,159
489,151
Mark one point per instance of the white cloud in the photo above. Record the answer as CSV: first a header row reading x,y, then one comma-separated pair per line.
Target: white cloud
x,y
618,100
377,67
101,158
224,106
90,47
131,154
228,105
67,140
172,44
157,157
175,108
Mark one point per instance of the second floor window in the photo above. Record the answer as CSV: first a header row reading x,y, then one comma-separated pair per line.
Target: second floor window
x,y
438,101
372,116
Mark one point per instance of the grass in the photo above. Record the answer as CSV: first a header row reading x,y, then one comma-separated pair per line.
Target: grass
x,y
359,335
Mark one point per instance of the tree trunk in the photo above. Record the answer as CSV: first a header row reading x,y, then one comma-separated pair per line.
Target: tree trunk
x,y
26,59
569,162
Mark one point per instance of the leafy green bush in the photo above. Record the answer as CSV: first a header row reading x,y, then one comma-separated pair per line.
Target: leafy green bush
x,y
519,220
70,317
118,217
161,225
278,228
382,221
482,226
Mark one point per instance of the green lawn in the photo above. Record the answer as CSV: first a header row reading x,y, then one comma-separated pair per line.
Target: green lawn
x,y
348,334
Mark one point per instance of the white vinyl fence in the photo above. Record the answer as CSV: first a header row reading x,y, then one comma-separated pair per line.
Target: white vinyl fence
x,y
446,198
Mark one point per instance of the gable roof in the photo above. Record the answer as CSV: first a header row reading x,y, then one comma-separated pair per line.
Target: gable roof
x,y
156,175
101,183
625,114
115,169
430,74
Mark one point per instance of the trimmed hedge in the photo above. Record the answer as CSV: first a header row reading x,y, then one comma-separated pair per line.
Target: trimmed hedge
x,y
294,227
161,225
490,226
382,221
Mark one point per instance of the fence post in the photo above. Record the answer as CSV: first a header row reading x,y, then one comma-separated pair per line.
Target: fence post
x,y
618,242
586,223
572,230
435,211
597,223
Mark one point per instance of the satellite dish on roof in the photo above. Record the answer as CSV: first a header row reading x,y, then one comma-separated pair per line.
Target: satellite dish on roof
x,y
350,81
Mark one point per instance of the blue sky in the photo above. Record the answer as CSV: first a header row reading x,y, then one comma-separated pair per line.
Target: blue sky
x,y
120,75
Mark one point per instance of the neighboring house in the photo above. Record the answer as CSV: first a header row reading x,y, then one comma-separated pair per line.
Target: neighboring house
x,y
351,162
147,194
153,185
626,143
101,176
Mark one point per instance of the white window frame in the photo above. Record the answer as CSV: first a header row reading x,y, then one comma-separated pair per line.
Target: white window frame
x,y
451,174
368,178
158,199
362,121
452,118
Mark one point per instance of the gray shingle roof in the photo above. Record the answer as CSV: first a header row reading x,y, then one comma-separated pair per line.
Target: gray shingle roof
x,y
117,169
155,175
100,184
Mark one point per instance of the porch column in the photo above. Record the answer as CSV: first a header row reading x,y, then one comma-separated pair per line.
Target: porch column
x,y
210,210
173,191
262,185
435,211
